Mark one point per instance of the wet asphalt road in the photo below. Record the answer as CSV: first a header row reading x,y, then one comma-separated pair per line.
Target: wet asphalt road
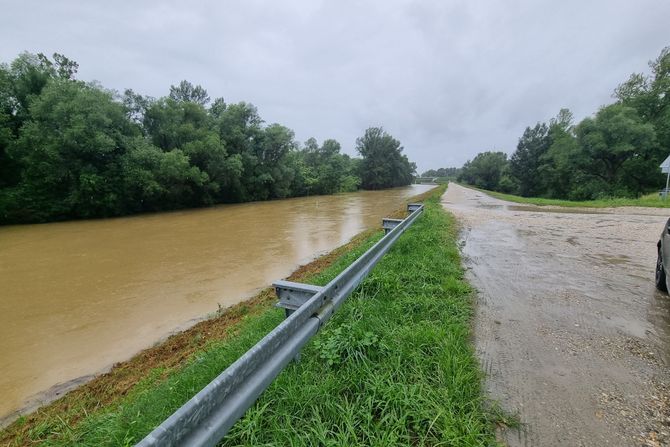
x,y
571,333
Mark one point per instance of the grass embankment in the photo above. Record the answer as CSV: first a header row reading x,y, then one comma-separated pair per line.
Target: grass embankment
x,y
393,366
650,201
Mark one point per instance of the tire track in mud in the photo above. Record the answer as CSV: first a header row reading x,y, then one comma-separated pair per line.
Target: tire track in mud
x,y
570,331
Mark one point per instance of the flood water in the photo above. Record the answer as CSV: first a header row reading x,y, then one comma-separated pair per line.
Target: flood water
x,y
77,297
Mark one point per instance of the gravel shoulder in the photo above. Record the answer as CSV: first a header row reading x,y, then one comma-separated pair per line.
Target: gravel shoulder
x,y
570,330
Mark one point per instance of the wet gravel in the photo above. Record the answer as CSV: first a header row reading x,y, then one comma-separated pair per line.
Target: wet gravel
x,y
571,332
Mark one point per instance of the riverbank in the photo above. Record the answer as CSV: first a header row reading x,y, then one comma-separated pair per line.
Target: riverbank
x,y
78,297
100,409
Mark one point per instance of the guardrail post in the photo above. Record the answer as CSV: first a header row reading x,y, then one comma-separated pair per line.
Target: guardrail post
x,y
411,207
292,295
389,224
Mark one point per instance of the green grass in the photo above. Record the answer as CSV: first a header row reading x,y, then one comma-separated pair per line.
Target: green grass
x,y
650,200
393,367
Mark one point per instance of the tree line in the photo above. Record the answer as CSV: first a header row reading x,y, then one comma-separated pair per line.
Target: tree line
x,y
442,173
615,153
71,149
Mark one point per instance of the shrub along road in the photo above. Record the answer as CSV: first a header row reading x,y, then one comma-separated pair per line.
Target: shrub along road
x,y
569,328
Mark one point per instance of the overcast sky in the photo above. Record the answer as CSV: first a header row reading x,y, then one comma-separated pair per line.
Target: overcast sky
x,y
447,78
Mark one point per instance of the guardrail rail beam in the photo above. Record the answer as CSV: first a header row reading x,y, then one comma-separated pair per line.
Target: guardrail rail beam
x,y
206,418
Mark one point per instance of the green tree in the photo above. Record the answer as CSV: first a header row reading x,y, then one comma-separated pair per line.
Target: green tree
x,y
526,160
445,173
69,152
240,128
21,82
154,180
650,97
620,150
170,123
558,167
384,165
180,123
325,170
187,92
485,170
272,152
136,106
9,171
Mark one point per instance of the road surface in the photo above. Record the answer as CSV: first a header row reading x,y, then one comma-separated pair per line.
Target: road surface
x,y
571,333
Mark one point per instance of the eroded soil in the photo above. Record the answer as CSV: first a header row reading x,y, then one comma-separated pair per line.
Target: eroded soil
x,y
570,330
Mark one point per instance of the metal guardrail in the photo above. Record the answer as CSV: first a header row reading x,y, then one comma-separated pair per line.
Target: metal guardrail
x,y
206,418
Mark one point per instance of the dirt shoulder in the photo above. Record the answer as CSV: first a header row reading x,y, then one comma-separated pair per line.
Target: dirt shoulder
x,y
570,330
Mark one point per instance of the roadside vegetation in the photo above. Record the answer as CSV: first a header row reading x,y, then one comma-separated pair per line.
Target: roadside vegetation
x,y
71,149
393,366
652,200
614,154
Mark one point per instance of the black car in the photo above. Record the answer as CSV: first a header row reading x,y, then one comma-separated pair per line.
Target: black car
x,y
663,260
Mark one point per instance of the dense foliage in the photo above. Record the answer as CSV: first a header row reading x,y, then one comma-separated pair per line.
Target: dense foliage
x,y
70,149
442,173
383,164
485,170
615,153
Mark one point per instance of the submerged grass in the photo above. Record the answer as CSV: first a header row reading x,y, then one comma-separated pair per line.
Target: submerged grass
x,y
649,201
393,367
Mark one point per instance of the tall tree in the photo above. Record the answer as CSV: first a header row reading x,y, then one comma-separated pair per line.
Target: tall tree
x,y
384,165
189,127
154,180
650,96
525,161
485,170
621,150
70,151
188,92
325,170
558,165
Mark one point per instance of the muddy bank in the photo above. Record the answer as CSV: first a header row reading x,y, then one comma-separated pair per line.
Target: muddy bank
x,y
570,329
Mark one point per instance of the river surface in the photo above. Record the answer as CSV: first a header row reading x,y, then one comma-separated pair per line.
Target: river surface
x,y
77,297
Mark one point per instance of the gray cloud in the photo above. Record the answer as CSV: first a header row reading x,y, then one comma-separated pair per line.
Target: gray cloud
x,y
447,78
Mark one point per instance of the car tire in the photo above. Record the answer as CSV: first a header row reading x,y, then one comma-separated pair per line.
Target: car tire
x,y
661,283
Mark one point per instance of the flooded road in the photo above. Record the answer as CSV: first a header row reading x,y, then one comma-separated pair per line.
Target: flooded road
x,y
570,330
77,297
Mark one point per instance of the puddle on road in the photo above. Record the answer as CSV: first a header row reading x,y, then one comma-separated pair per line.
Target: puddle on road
x,y
613,260
539,209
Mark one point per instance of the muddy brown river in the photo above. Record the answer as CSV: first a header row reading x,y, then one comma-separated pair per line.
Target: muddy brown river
x,y
570,330
77,297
